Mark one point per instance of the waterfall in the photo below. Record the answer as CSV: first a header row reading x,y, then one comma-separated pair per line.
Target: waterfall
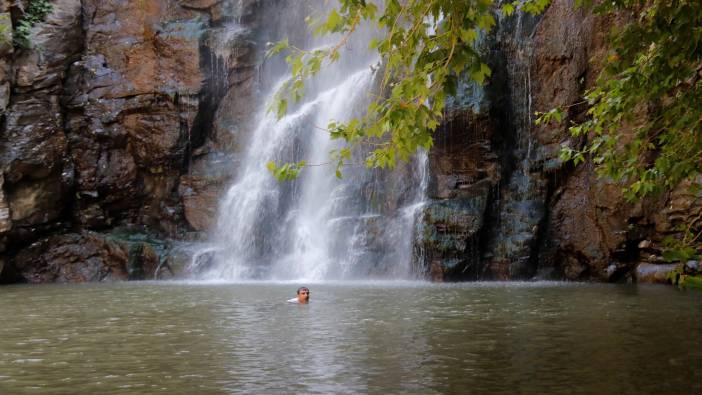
x,y
317,227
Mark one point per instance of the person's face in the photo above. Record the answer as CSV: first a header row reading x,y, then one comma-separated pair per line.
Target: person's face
x,y
303,296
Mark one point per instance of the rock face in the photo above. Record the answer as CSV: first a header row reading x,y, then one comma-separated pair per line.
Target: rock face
x,y
83,257
107,120
131,101
524,214
72,258
464,169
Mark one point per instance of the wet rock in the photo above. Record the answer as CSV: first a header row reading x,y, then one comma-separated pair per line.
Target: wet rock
x,y
133,99
588,220
186,260
202,187
200,198
681,209
652,273
6,50
619,272
143,262
644,244
33,145
74,257
38,176
611,270
692,267
127,253
91,216
5,220
107,107
199,4
448,237
55,43
574,268
35,202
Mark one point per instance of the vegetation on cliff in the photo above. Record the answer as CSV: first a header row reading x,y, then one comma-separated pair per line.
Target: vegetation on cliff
x,y
425,47
35,12
645,115
643,120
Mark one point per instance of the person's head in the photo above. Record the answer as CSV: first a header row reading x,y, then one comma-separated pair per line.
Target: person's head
x,y
303,294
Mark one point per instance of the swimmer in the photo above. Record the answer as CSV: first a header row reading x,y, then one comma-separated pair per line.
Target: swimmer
x,y
303,296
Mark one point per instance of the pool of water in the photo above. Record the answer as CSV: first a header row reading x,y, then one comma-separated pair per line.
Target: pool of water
x,y
497,338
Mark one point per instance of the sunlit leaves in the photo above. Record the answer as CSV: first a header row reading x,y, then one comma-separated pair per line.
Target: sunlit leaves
x,y
286,171
334,22
480,73
425,47
507,9
277,48
554,115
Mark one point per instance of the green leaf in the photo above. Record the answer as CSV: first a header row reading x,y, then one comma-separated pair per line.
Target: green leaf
x,y
278,47
469,35
374,43
282,108
271,166
334,21
507,9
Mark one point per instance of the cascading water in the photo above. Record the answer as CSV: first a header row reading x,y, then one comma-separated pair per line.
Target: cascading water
x,y
317,227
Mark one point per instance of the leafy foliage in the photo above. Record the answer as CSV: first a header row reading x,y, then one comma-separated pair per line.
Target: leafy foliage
x,y
425,45
286,172
35,12
644,123
645,117
684,280
683,244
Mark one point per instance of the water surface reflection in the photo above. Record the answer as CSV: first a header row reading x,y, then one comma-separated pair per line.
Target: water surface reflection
x,y
352,338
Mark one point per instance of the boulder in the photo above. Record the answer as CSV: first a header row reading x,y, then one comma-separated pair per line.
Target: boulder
x,y
652,273
587,224
187,260
143,262
72,258
692,268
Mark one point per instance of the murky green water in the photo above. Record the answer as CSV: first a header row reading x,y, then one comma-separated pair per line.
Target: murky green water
x,y
176,338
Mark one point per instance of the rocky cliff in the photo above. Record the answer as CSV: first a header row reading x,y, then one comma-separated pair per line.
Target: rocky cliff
x,y
503,206
110,121
122,120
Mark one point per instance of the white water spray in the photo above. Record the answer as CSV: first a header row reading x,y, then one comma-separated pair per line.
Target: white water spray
x,y
318,227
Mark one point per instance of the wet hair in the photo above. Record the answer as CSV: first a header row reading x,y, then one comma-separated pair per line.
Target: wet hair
x,y
302,289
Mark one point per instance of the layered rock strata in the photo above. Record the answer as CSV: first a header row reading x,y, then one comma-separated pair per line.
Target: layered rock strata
x,y
108,119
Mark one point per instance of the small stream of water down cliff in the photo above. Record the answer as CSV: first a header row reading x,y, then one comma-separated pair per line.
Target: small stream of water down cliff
x,y
317,227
